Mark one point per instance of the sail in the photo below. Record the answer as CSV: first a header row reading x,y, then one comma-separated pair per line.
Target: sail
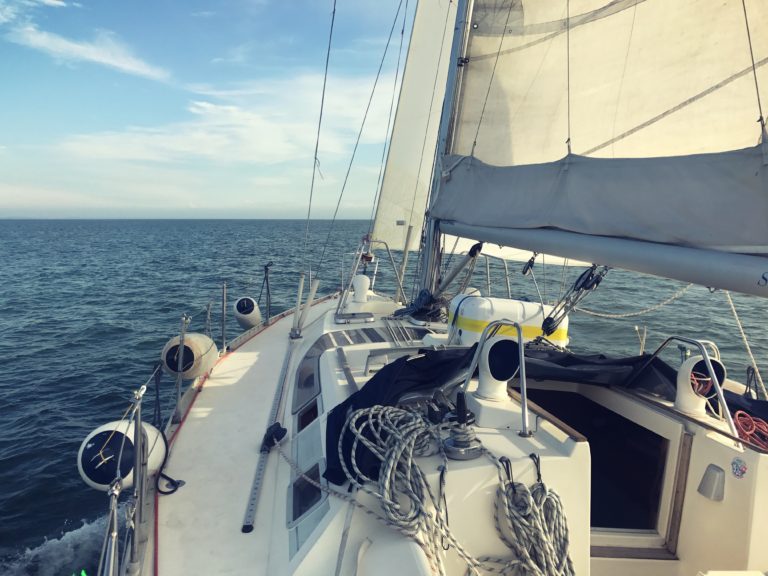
x,y
408,171
457,245
618,120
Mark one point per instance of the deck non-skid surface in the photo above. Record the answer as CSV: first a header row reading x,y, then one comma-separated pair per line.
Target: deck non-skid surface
x,y
215,453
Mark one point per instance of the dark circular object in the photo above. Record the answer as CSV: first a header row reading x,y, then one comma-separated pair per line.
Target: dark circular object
x,y
701,368
245,305
503,359
100,464
172,358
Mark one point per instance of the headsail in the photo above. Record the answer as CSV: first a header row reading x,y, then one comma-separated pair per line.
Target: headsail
x,y
627,122
410,161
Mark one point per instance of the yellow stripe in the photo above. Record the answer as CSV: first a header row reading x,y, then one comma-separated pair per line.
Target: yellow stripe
x,y
529,332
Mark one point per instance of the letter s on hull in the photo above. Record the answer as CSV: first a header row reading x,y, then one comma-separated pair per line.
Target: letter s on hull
x,y
763,280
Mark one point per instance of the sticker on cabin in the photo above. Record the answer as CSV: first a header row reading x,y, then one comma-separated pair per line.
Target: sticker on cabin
x,y
739,468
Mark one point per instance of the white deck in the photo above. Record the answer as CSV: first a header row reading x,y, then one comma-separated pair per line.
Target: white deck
x,y
215,453
217,449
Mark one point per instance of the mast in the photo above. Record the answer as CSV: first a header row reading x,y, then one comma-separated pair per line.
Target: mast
x,y
431,248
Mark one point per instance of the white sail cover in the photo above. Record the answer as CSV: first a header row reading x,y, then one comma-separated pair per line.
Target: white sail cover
x,y
659,101
409,167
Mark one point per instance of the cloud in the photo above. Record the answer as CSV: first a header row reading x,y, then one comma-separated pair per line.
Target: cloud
x,y
222,134
299,97
54,3
8,13
236,55
263,123
105,49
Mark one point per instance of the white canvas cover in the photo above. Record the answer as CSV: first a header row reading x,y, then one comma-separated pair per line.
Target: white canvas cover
x,y
668,200
658,102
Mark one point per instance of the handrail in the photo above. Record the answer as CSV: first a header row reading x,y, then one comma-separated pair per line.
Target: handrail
x,y
489,331
139,475
113,561
109,559
400,291
345,293
701,346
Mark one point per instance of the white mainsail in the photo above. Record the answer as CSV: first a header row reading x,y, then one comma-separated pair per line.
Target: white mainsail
x,y
630,123
410,160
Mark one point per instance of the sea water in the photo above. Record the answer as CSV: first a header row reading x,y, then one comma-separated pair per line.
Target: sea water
x,y
86,306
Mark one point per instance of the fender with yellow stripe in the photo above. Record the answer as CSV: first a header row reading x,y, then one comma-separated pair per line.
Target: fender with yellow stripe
x,y
470,314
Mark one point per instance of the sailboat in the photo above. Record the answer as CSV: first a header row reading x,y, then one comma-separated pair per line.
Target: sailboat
x,y
453,432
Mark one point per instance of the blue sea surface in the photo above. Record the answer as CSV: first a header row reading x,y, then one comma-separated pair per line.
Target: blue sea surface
x,y
86,306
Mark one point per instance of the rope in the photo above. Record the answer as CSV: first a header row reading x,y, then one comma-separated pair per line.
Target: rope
x,y
587,282
669,300
317,138
751,429
529,521
746,344
357,140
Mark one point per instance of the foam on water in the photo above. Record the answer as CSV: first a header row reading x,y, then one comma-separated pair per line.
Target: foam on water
x,y
74,551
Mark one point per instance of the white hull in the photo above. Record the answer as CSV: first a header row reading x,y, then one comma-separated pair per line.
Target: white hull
x,y
216,450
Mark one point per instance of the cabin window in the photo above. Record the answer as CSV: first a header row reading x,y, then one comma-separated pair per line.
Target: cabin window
x,y
307,415
305,494
307,379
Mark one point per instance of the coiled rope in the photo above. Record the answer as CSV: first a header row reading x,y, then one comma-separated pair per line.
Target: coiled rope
x,y
530,522
653,308
751,429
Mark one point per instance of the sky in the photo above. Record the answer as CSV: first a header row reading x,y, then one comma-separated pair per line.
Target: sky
x,y
191,109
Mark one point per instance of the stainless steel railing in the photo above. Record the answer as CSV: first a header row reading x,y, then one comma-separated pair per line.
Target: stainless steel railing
x,y
488,332
701,346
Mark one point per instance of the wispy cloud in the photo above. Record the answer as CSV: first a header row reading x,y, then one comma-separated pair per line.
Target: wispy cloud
x,y
105,49
217,133
8,13
236,55
264,123
54,3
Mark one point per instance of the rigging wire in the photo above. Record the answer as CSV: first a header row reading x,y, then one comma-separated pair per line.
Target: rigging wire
x,y
746,345
623,76
315,161
357,141
754,69
387,135
568,68
490,80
